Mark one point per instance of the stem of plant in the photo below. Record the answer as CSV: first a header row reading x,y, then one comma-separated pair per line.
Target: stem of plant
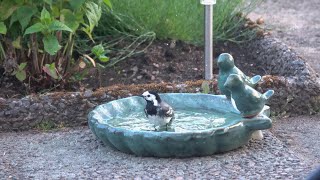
x,y
34,48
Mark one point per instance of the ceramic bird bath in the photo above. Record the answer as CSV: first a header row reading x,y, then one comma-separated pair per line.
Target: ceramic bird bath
x,y
204,125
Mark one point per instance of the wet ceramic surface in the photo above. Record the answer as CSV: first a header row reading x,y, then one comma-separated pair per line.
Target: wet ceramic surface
x,y
205,124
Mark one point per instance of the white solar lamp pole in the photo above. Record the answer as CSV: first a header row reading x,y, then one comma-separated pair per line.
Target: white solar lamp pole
x,y
208,37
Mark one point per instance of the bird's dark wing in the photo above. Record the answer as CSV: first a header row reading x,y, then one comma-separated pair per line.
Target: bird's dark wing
x,y
145,111
165,110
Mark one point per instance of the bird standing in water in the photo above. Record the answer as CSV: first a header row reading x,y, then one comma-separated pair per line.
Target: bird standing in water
x,y
158,112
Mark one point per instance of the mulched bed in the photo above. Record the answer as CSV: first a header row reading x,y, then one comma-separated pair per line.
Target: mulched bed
x,y
164,61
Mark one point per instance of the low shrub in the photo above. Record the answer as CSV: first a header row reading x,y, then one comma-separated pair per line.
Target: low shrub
x,y
37,38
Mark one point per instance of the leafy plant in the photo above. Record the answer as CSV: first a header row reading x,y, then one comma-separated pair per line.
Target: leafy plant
x,y
184,20
3,28
205,86
40,36
47,26
99,52
119,38
20,72
46,125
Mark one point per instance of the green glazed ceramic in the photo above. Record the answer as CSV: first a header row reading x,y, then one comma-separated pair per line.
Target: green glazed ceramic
x,y
247,100
204,124
227,67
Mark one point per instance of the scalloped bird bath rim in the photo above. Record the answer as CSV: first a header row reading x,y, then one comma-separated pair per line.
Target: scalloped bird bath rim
x,y
176,144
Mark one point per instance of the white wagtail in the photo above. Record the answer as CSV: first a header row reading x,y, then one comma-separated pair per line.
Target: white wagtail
x,y
158,112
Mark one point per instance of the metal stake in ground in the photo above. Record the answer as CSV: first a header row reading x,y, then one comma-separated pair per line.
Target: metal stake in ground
x,y
208,37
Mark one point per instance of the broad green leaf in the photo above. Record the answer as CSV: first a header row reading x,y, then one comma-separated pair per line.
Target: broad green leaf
x,y
45,16
103,58
76,4
51,44
50,69
7,7
13,19
3,28
93,14
38,27
22,66
108,3
58,26
21,75
17,44
69,19
79,15
24,15
98,50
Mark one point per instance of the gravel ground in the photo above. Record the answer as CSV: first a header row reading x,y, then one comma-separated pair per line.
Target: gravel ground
x,y
296,23
302,135
72,154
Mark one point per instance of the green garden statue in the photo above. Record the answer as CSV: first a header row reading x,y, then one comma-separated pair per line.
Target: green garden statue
x,y
227,67
247,100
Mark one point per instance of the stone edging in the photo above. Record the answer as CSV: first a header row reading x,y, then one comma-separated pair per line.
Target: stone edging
x,y
296,85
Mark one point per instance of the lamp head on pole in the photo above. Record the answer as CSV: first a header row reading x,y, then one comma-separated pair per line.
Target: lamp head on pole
x,y
208,2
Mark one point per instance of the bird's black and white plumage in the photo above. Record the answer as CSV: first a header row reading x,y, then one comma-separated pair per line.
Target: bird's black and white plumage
x,y
157,111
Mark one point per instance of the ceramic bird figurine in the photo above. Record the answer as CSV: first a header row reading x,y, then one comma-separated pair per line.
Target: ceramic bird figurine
x,y
247,100
227,67
158,112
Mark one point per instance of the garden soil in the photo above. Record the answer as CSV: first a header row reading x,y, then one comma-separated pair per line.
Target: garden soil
x,y
163,61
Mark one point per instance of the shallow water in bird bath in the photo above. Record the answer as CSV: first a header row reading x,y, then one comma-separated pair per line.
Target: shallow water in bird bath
x,y
185,120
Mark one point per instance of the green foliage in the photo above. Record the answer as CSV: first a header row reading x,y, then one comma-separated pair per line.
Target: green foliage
x,y
17,43
51,44
51,70
23,14
7,8
99,52
20,72
47,26
184,20
38,27
205,86
46,125
46,31
118,37
93,14
3,28
71,19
